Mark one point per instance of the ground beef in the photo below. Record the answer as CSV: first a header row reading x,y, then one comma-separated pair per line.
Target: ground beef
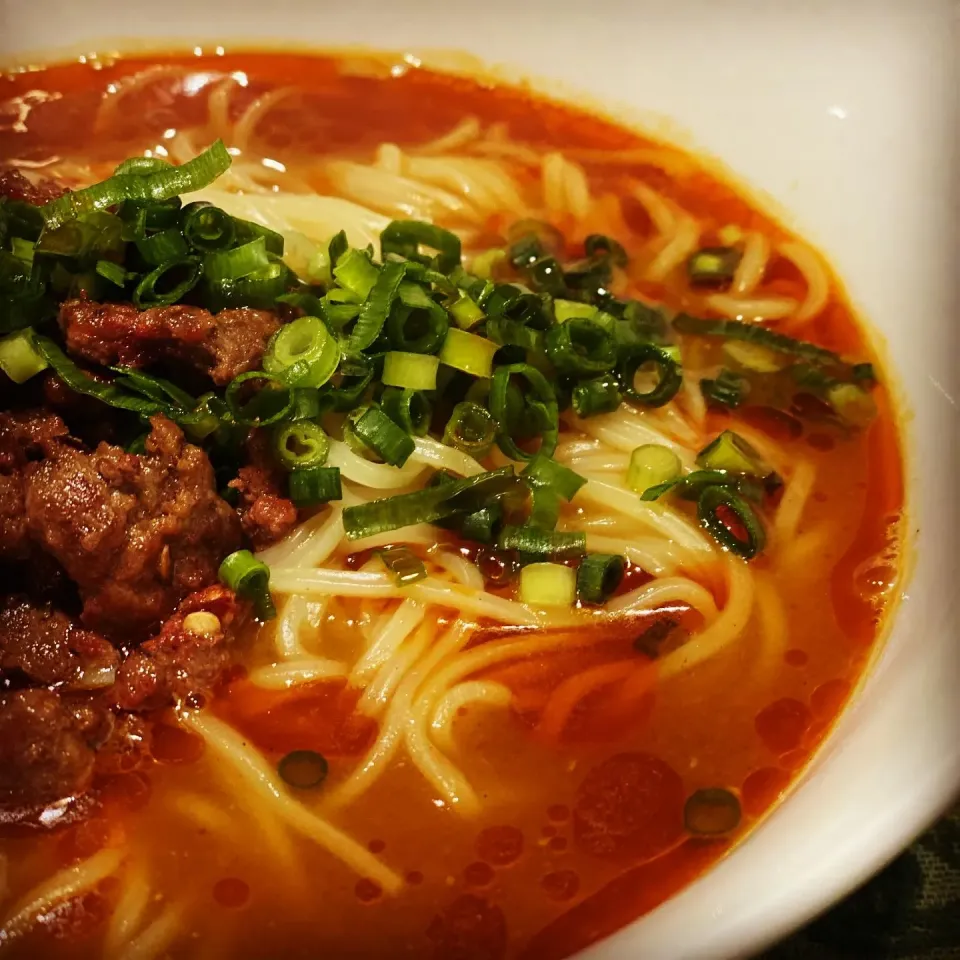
x,y
136,533
15,186
127,748
47,749
186,659
219,346
266,515
24,437
45,646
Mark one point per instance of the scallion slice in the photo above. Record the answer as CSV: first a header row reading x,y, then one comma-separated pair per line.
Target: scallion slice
x,y
468,352
380,434
730,452
652,464
301,444
249,578
310,486
162,247
376,307
271,403
404,564
542,404
471,428
356,272
543,472
404,238
542,543
410,371
19,357
206,227
580,348
713,266
719,506
600,395
548,585
599,575
168,283
302,353
668,375
465,312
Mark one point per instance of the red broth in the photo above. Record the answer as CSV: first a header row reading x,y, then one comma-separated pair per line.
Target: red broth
x,y
586,832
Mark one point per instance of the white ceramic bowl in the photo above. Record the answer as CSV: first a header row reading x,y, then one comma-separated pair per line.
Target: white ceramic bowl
x,y
845,114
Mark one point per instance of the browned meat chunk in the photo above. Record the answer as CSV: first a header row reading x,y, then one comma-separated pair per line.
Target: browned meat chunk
x,y
127,748
47,647
135,532
220,346
266,516
187,658
15,186
46,749
23,437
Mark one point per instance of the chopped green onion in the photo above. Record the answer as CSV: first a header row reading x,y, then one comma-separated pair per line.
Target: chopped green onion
x,y
717,498
356,375
141,166
853,404
713,266
544,508
234,264
404,237
379,433
356,272
542,543
162,183
548,585
568,309
19,357
712,812
22,249
420,329
727,389
581,348
471,428
249,578
411,371
272,403
113,272
408,409
160,247
543,405
428,505
404,564
168,283
599,575
754,356
153,387
247,230
482,525
302,353
206,227
669,377
693,484
543,472
730,452
260,290
310,486
465,312
376,307
303,769
651,465
301,444
468,352
600,395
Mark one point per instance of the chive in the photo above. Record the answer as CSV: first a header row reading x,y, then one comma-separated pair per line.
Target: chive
x,y
381,435
548,585
543,406
542,543
708,506
599,395
713,266
404,564
652,465
730,452
303,769
581,348
428,505
161,183
309,486
541,471
712,812
206,227
471,428
465,312
669,377
404,238
249,578
468,352
599,575
727,389
375,308
272,403
408,409
410,371
168,283
301,444
302,353
19,357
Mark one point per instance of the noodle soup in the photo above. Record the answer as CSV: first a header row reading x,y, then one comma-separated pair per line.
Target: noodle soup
x,y
520,505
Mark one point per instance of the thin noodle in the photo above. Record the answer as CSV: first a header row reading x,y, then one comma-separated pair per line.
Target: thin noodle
x,y
760,308
667,590
461,569
464,132
786,522
388,639
246,126
753,263
481,692
774,632
128,914
155,940
809,264
294,673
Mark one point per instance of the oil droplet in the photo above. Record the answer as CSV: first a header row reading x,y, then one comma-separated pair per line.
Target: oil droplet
x,y
500,845
561,885
478,874
797,658
368,890
231,892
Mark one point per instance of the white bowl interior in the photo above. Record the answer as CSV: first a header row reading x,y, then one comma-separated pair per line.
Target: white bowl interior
x,y
845,114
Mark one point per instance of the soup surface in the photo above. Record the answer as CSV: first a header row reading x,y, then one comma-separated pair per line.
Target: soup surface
x,y
487,721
